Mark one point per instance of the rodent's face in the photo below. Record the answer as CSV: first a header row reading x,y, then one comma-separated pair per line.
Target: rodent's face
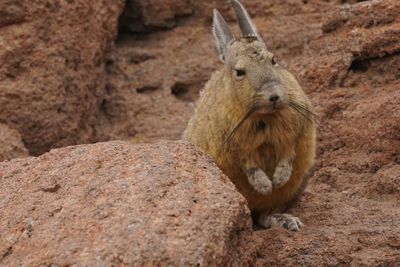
x,y
255,76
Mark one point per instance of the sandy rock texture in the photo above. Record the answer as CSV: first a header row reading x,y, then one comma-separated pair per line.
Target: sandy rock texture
x,y
52,56
11,145
115,203
147,15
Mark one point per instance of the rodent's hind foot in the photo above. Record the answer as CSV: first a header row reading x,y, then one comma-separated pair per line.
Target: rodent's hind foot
x,y
284,220
282,173
259,181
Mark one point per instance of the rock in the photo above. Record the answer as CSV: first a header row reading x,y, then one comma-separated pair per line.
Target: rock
x,y
11,12
117,203
146,15
11,145
355,36
342,229
51,68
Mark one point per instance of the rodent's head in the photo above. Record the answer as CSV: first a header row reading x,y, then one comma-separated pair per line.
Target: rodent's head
x,y
251,69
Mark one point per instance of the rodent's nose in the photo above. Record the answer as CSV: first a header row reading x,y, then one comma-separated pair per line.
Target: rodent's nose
x,y
274,98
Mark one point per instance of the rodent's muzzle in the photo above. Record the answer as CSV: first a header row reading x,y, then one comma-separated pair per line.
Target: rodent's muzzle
x,y
270,99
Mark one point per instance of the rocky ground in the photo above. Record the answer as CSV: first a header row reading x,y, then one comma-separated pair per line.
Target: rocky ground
x,y
69,83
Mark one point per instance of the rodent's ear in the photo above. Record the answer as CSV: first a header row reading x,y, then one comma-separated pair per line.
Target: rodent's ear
x,y
246,25
222,34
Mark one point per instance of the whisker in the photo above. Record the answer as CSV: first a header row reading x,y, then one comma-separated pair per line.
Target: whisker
x,y
300,111
304,111
296,106
236,128
305,108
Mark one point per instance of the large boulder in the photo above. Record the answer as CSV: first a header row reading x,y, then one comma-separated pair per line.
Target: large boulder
x,y
121,204
11,145
51,68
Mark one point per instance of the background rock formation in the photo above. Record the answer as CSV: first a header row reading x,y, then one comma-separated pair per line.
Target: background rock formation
x,y
63,82
52,56
11,145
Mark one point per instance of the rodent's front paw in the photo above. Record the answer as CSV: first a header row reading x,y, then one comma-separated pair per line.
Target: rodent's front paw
x,y
282,173
260,181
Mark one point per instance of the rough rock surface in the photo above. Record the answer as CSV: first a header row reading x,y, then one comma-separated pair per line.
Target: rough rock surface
x,y
11,145
346,54
119,204
52,56
147,15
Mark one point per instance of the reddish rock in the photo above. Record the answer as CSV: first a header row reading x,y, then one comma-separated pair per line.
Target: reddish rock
x,y
11,145
121,204
147,15
51,68
354,37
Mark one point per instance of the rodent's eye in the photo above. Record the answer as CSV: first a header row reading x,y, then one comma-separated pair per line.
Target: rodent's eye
x,y
273,61
240,73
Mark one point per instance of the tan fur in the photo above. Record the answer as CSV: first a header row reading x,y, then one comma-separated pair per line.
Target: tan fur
x,y
216,114
288,134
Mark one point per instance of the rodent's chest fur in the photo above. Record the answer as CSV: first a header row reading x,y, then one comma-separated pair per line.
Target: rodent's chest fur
x,y
264,141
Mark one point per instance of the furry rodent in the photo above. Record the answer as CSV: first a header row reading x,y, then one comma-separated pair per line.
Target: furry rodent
x,y
256,122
